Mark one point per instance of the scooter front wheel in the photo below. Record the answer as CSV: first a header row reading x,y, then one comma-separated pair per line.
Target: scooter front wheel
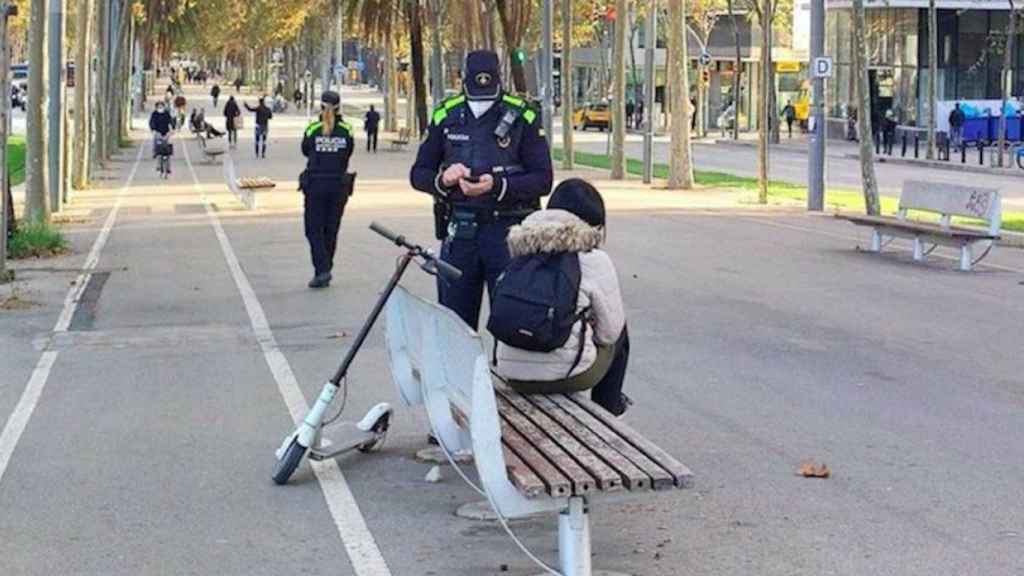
x,y
286,466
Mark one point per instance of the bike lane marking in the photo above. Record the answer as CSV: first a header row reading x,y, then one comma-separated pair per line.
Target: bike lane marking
x,y
363,552
19,418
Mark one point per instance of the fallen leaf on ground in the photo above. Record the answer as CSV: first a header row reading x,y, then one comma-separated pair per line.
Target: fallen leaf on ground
x,y
809,469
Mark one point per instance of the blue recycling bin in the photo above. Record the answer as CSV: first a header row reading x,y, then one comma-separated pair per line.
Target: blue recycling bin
x,y
976,129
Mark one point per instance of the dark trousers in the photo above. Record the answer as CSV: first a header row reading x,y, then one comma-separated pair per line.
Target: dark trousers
x,y
789,126
608,392
232,135
261,140
323,211
481,261
371,140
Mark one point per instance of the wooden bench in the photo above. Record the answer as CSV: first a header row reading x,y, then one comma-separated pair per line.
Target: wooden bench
x,y
399,142
245,189
947,200
533,454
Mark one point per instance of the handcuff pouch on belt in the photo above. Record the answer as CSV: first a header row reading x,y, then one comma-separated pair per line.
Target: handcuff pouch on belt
x,y
463,224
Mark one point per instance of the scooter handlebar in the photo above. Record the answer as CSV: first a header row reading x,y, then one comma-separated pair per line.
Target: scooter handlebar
x,y
447,270
383,231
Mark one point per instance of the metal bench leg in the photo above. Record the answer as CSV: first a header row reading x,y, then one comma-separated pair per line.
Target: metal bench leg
x,y
876,241
966,257
918,249
574,538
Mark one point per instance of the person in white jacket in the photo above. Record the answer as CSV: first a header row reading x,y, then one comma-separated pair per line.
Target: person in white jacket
x,y
574,221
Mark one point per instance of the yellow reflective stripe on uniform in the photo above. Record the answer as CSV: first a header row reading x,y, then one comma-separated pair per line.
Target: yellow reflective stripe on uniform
x,y
454,101
312,128
529,116
441,112
513,100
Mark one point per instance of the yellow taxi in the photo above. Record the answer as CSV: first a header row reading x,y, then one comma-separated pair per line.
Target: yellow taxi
x,y
596,115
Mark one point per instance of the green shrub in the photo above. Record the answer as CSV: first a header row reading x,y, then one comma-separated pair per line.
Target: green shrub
x,y
36,240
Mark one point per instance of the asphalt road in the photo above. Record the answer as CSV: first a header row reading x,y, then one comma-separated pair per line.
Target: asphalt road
x,y
761,339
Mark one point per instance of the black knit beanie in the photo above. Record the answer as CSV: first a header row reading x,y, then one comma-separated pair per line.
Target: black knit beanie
x,y
581,198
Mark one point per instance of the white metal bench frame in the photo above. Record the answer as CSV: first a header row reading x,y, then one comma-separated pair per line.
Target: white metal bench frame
x,y
209,153
947,200
438,361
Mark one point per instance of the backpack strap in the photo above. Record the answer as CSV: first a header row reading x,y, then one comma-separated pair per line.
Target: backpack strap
x,y
582,316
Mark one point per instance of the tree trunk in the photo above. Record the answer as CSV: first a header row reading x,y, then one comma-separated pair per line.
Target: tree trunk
x,y
83,83
415,20
512,39
736,73
100,93
568,148
619,92
701,86
37,198
681,166
391,95
1011,29
933,71
765,105
867,150
771,92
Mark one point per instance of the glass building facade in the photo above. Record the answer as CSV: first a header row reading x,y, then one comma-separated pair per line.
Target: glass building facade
x,y
971,50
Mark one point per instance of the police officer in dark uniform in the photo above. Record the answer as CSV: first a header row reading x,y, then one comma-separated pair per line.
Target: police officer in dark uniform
x,y
326,184
486,162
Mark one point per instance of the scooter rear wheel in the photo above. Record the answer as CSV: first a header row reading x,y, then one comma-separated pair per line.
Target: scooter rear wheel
x,y
286,466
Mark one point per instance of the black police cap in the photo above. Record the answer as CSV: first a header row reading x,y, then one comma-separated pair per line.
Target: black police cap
x,y
331,98
482,80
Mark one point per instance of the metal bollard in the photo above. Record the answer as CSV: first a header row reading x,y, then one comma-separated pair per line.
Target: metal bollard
x,y
963,153
981,153
917,141
903,150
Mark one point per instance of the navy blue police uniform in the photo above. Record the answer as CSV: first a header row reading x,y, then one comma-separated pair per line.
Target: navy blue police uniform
x,y
327,149
474,229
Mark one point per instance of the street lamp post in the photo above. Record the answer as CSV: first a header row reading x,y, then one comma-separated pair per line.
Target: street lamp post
x,y
816,166
7,9
55,21
650,48
547,90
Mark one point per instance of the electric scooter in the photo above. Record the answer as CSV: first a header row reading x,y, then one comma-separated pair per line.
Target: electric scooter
x,y
369,433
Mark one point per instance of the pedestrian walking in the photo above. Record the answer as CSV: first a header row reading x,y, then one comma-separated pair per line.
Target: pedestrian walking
x,y
232,120
789,113
486,162
180,106
630,110
263,116
638,121
238,84
215,94
956,126
326,184
888,131
371,123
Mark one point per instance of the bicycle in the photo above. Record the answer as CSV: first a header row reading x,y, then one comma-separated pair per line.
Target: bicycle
x,y
164,150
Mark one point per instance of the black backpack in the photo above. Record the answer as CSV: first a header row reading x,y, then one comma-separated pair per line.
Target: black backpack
x,y
534,303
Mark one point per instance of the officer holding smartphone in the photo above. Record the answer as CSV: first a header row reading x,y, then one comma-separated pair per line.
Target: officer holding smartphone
x,y
486,162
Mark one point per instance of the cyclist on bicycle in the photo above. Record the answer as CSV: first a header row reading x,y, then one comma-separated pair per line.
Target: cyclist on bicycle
x,y
161,123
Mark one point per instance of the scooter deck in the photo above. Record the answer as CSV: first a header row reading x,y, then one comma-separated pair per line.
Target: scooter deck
x,y
338,440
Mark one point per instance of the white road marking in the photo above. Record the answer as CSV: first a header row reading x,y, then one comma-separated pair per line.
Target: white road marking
x,y
359,543
19,418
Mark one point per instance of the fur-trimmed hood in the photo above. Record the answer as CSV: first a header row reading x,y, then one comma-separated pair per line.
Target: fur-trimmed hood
x,y
547,231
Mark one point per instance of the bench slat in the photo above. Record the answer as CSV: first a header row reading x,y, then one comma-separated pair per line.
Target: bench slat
x,y
521,476
556,482
683,476
660,478
633,477
581,481
912,225
607,478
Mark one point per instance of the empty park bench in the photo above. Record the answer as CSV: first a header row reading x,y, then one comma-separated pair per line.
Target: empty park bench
x,y
245,189
533,453
947,200
399,142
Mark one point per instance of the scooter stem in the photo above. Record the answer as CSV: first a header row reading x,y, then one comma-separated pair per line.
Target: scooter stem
x,y
403,264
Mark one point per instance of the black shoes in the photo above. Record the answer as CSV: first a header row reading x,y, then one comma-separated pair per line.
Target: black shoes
x,y
320,281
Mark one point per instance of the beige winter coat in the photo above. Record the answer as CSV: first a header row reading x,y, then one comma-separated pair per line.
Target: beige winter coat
x,y
557,231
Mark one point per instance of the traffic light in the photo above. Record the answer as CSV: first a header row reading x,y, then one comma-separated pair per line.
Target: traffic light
x,y
519,56
706,74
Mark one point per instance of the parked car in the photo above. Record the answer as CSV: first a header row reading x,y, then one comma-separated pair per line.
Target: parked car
x,y
598,115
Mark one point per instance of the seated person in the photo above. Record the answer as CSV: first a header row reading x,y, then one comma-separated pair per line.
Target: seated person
x,y
574,222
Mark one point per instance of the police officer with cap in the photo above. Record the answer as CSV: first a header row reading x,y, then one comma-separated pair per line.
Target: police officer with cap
x,y
326,184
486,162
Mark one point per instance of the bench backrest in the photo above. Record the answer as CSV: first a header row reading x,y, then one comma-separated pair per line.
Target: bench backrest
x,y
952,200
430,345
